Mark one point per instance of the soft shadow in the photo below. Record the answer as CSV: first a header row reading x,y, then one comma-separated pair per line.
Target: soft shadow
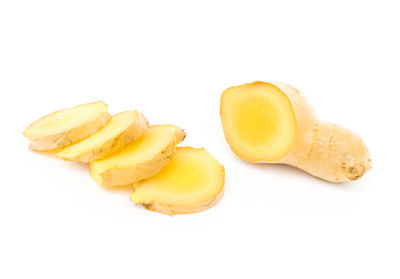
x,y
81,167
77,166
51,152
122,188
287,170
69,164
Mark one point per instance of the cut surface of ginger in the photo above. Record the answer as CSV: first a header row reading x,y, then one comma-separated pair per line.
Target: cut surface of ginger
x,y
122,129
191,182
259,122
64,120
140,159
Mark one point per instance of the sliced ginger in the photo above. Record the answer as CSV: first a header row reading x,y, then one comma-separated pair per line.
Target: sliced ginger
x,y
274,123
67,126
191,182
122,129
140,159
124,151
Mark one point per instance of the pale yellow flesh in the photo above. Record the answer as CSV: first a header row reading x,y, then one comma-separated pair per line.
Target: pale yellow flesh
x,y
118,124
259,122
65,120
192,178
145,149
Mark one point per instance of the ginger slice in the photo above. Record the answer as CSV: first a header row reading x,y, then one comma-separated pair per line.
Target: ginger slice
x,y
140,159
67,126
122,129
274,123
193,181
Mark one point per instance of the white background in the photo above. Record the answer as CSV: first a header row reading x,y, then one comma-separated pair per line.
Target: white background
x,y
171,60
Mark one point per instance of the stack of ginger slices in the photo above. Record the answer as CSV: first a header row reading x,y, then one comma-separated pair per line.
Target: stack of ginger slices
x,y
124,150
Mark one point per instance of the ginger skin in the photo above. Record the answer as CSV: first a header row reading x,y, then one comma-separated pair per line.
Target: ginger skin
x,y
335,154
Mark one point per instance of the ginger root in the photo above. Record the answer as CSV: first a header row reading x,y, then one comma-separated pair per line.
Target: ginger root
x,y
273,123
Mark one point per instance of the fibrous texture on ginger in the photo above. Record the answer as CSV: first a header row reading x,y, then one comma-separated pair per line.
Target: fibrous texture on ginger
x,y
274,123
